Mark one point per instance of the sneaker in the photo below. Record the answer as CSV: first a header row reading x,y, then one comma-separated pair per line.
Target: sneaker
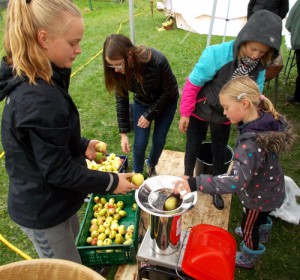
x,y
150,169
291,100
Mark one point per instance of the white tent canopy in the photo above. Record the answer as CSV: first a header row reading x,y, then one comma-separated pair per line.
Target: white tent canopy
x,y
212,17
196,15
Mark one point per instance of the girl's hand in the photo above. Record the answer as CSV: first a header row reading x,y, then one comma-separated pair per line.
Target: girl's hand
x,y
182,187
143,122
124,185
184,124
125,143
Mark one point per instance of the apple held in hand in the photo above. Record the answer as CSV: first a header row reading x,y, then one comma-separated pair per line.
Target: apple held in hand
x,y
100,157
137,179
101,147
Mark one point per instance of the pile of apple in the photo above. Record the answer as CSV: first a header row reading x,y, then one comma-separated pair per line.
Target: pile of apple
x,y
102,162
106,227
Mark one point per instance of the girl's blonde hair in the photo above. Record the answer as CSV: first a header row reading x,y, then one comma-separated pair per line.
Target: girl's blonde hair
x,y
243,87
24,18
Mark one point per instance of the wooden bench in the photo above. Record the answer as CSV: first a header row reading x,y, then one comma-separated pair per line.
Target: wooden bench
x,y
171,163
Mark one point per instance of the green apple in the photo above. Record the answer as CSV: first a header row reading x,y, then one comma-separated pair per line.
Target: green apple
x,y
102,236
137,179
109,219
103,212
107,231
106,224
133,207
122,229
128,235
119,239
111,201
103,200
117,216
120,204
93,227
100,242
101,228
170,203
114,226
107,242
89,240
122,213
128,241
130,228
100,157
112,234
94,234
96,199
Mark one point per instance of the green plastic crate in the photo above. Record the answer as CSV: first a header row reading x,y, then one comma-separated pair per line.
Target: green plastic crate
x,y
115,253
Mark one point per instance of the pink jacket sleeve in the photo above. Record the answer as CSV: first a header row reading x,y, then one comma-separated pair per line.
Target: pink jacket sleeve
x,y
188,98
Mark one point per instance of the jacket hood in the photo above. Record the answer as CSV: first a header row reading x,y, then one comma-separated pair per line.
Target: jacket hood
x,y
272,135
264,27
7,79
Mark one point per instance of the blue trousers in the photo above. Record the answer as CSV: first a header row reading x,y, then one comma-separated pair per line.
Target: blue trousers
x,y
161,124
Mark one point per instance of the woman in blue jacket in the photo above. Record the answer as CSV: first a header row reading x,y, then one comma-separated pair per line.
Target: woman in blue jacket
x,y
256,45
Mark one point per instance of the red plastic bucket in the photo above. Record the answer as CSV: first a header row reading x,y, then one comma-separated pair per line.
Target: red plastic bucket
x,y
210,254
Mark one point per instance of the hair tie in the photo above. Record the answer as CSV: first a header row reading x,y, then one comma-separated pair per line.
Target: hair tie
x,y
262,97
28,1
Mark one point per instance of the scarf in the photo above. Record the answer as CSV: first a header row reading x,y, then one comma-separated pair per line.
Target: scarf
x,y
244,67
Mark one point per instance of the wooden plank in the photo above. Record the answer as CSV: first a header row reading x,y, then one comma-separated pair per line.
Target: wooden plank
x,y
171,163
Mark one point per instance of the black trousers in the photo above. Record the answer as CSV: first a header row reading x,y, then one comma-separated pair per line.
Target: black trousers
x,y
297,89
195,134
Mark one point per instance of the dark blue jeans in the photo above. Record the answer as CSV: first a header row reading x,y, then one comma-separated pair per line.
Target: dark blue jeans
x,y
195,134
297,88
161,124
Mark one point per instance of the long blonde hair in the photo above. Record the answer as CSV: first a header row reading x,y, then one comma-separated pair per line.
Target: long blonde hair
x,y
24,18
243,87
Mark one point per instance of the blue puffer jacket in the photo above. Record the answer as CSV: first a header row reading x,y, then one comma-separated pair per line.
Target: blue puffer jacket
x,y
217,64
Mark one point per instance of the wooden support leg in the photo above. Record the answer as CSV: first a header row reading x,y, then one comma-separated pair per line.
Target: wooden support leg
x,y
151,6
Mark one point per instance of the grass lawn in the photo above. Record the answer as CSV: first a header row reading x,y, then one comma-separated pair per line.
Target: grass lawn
x,y
98,120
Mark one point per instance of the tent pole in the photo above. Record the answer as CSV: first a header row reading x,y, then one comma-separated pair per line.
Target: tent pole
x,y
226,20
131,17
211,23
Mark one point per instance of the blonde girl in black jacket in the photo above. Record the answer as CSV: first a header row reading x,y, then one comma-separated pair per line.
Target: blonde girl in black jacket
x,y
44,151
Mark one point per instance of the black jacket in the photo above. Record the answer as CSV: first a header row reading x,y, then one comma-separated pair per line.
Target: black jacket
x,y
279,7
159,89
44,152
